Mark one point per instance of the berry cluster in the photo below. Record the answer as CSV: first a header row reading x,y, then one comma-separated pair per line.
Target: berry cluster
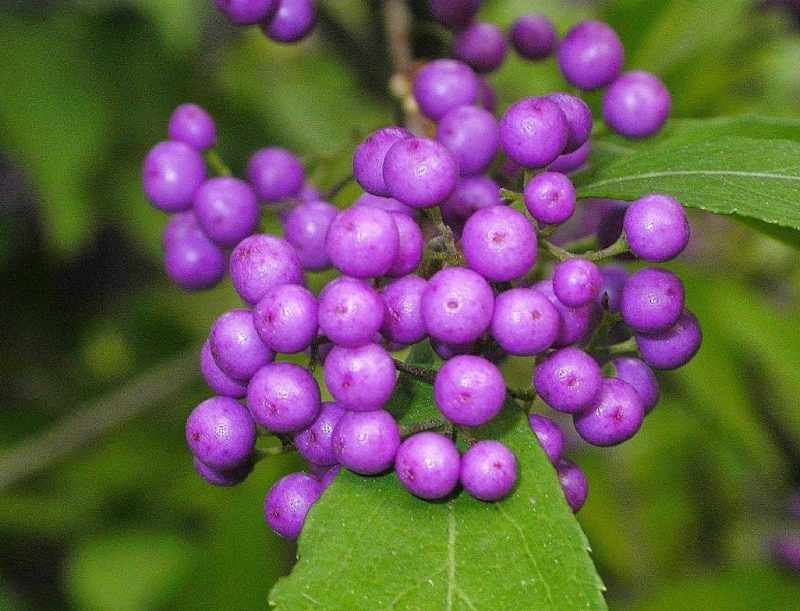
x,y
280,20
435,251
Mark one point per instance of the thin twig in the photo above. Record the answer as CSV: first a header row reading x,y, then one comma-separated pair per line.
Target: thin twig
x,y
217,165
420,373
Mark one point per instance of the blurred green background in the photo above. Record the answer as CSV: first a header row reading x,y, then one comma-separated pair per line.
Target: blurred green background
x,y
93,334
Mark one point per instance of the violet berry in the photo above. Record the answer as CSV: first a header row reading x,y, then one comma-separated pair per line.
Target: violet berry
x,y
360,379
549,436
533,37
569,380
674,347
615,417
469,390
636,373
221,433
366,442
656,228
591,55
444,84
534,132
573,483
288,502
636,105
457,305
260,262
524,322
428,465
350,312
315,443
286,318
283,397
488,470
191,124
550,198
499,243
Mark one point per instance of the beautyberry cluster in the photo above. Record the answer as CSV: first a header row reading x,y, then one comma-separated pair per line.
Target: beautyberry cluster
x,y
280,20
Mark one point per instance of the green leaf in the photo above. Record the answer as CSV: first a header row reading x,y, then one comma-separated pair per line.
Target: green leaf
x,y
369,544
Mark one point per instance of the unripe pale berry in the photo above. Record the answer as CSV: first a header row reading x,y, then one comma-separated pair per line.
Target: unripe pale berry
x,y
469,390
221,433
283,398
428,465
615,417
488,470
288,502
569,380
366,442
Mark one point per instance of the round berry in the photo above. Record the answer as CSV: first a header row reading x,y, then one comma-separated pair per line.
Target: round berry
x,y
350,312
180,226
247,12
221,433
488,471
283,397
524,322
444,84
486,96
327,478
286,318
656,228
447,351
614,279
369,156
674,347
636,373
366,442
227,210
575,322
652,300
419,172
194,262
305,227
533,36
499,243
457,305
549,436
569,380
534,132
615,416
482,46
579,119
292,21
577,282
403,321
428,465
454,14
275,174
409,247
224,478
171,173
472,135
636,105
472,193
387,204
191,124
288,502
571,162
237,349
362,242
360,379
315,443
573,483
591,55
217,380
260,262
469,390
550,198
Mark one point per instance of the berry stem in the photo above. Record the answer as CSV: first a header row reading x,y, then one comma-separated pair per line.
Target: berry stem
x,y
419,427
554,251
522,394
261,454
627,346
218,166
337,188
510,196
420,373
434,215
617,248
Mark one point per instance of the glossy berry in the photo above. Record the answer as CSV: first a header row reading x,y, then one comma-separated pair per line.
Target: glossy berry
x,y
260,262
171,173
247,12
192,125
217,380
403,321
366,442
571,162
457,305
488,470
674,347
223,477
636,373
180,225
419,172
533,37
471,194
656,228
614,279
575,322
569,380
499,243
454,14
236,345
482,46
283,398
288,502
194,262
360,379
292,21
387,204
579,119
577,282
369,155
549,436
275,174
286,318
472,135
305,227
227,210
315,443
409,246
428,465
534,132
550,198
327,478
469,390
652,300
636,105
591,55
350,312
573,483
362,242
486,96
220,433
524,322
442,85
615,417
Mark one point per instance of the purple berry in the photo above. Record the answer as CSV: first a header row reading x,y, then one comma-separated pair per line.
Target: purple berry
x,y
524,322
283,398
447,351
362,242
472,193
360,379
569,380
192,125
652,300
350,312
236,346
327,478
636,105
221,433
454,14
486,96
217,380
220,477
577,282
571,162
286,318
288,502
579,119
180,226
488,471
534,132
194,262
428,465
369,156
275,174
309,193
387,204
260,262
573,483
472,135
482,46
615,417
469,390
575,322
292,21
549,435
227,210
305,227
674,347
247,12
315,443
550,198
499,243
457,305
614,279
409,247
533,36
171,173
656,228
419,172
402,321
591,55
366,442
442,85
641,377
